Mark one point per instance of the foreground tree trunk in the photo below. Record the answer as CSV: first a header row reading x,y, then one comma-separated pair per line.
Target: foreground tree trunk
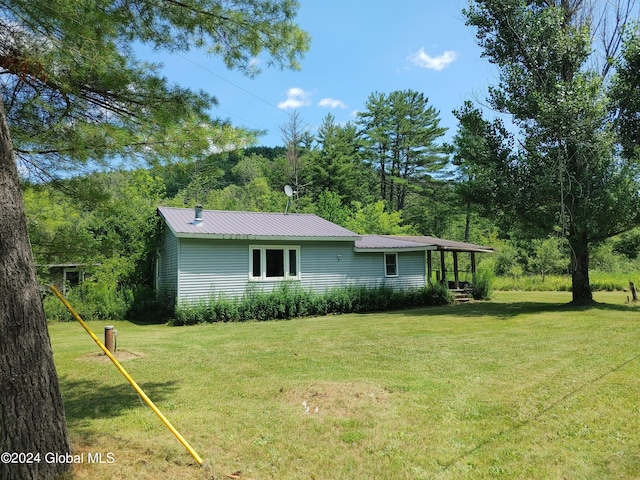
x,y
32,420
580,286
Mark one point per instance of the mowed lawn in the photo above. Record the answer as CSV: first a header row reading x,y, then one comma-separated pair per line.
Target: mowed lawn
x,y
519,387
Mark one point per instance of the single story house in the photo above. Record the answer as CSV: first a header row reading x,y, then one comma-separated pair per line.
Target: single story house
x,y
207,253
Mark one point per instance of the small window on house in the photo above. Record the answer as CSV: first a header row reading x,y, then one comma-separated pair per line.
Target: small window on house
x,y
256,269
270,263
72,278
391,264
293,264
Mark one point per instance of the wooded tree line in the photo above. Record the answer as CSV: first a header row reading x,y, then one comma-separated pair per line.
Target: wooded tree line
x,y
362,180
358,175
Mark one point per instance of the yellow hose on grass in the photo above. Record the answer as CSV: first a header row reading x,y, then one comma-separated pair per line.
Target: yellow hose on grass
x,y
128,377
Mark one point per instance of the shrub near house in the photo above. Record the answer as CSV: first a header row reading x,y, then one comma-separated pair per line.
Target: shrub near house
x,y
289,301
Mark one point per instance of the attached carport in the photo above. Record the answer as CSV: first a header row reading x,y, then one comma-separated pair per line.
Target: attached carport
x,y
445,246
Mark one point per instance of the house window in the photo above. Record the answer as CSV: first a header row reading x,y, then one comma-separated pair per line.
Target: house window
x,y
273,263
293,263
156,277
256,268
391,264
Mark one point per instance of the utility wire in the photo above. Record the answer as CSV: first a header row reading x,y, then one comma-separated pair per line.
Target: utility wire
x,y
267,102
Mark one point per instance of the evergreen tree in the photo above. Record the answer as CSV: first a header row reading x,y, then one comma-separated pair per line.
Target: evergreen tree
x,y
336,163
400,131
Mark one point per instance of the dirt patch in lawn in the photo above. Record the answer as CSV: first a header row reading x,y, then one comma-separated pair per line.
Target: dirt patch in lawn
x,y
101,357
340,399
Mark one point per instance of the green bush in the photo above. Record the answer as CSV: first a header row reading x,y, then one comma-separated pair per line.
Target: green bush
x,y
55,310
91,301
289,300
436,295
147,306
481,289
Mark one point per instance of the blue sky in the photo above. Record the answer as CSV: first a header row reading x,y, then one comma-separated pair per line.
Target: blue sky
x,y
357,47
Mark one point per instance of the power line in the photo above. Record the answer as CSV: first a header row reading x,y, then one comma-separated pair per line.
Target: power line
x,y
209,71
231,83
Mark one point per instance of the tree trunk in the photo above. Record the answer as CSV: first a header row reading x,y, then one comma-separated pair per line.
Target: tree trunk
x,y
32,420
580,286
467,223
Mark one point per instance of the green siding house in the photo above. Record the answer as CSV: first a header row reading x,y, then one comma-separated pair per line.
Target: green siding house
x,y
205,254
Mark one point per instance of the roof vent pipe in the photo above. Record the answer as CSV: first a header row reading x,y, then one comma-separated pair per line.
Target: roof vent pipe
x,y
198,218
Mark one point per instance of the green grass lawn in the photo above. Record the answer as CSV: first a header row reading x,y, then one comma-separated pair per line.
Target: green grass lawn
x,y
519,387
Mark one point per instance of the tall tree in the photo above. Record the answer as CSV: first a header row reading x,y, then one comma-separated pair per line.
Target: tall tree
x,y
297,141
625,95
400,131
561,170
336,163
75,94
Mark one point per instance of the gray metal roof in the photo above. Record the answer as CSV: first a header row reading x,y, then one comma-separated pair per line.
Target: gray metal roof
x,y
406,242
222,224
253,225
451,245
372,243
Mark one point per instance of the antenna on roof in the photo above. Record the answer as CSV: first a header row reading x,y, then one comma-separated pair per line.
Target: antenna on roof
x,y
288,191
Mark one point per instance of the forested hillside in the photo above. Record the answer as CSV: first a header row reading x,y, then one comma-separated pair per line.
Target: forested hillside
x,y
370,176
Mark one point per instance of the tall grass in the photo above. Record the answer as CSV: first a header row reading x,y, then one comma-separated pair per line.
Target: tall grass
x,y
92,301
483,286
600,282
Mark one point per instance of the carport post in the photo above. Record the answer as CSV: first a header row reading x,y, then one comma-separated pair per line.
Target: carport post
x,y
473,267
456,276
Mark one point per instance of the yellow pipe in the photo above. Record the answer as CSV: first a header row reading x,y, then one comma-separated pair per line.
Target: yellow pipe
x,y
128,377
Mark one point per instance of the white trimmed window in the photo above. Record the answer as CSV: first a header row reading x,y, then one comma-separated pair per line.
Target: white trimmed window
x,y
391,264
274,262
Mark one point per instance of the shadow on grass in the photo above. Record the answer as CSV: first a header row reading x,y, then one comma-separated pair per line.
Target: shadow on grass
x,y
88,399
509,310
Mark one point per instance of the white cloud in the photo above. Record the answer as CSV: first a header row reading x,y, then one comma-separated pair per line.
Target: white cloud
x,y
422,59
331,103
296,98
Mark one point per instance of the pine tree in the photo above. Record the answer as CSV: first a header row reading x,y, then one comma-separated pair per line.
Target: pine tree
x,y
400,133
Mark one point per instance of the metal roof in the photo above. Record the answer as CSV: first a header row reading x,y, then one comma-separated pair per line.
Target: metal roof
x,y
372,243
377,243
450,245
221,224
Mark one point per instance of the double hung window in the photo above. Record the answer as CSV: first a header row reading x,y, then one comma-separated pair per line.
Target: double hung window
x,y
391,264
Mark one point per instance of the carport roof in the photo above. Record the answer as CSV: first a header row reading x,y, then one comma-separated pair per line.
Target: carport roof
x,y
408,242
